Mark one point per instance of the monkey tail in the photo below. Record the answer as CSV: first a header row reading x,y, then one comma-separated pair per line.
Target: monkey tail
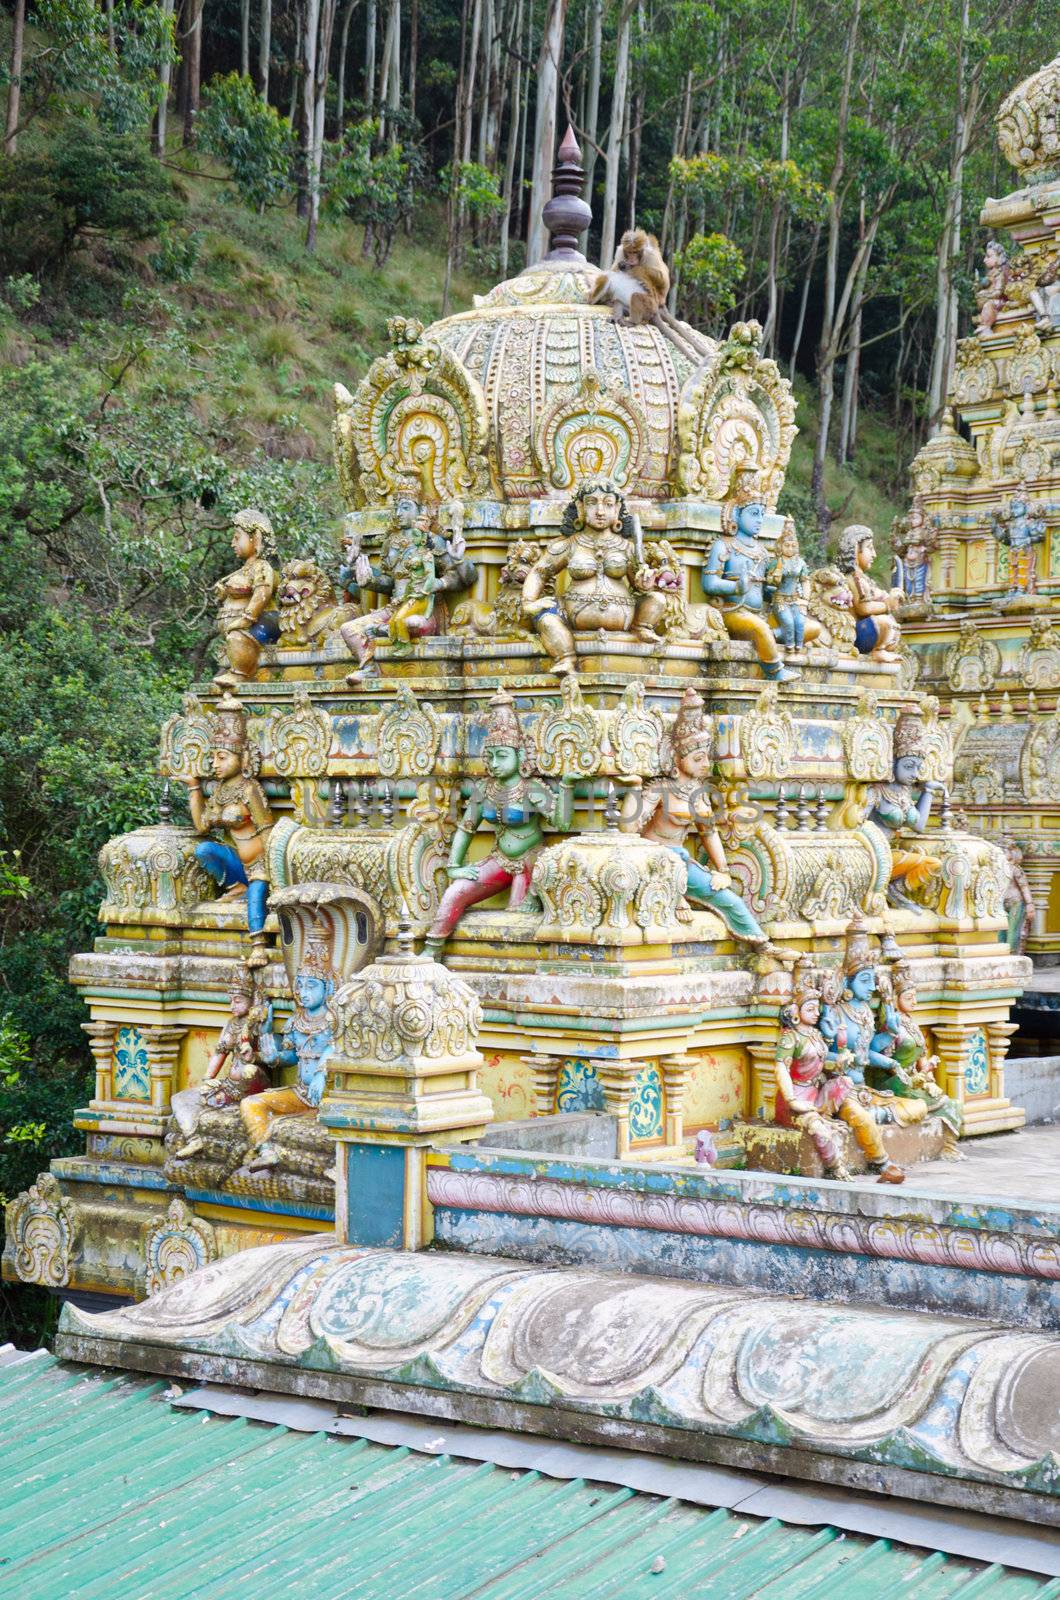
x,y
684,339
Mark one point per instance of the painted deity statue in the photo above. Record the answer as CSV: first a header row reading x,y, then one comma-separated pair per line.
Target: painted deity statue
x,y
848,1024
913,538
669,808
518,806
239,1045
912,1073
1045,295
1020,528
735,575
306,1043
905,803
236,806
813,1091
786,585
610,586
1018,900
407,573
877,633
244,596
993,288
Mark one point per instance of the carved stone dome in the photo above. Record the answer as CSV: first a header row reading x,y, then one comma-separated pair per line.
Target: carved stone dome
x,y
1028,125
536,389
569,392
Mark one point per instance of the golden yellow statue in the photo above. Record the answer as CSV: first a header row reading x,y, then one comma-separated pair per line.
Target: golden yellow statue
x,y
244,595
610,586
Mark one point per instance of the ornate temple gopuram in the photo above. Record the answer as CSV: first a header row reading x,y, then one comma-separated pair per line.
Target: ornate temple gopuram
x,y
570,953
981,544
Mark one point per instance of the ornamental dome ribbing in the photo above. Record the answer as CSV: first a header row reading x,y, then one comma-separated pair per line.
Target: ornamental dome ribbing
x,y
1028,125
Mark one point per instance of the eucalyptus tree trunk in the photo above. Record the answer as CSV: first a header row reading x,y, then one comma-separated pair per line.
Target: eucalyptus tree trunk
x,y
390,81
515,118
264,47
165,74
340,76
489,29
769,331
592,96
944,344
614,138
371,28
827,348
548,66
14,82
192,70
319,28
244,38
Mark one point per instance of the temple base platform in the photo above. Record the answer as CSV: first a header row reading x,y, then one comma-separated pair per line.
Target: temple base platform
x,y
939,1407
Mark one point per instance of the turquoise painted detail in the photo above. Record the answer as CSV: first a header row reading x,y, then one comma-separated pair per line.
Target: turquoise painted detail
x,y
579,1088
977,1070
375,1190
132,1070
249,1202
646,1105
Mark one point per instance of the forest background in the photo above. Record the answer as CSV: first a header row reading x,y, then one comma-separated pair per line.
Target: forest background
x,y
208,209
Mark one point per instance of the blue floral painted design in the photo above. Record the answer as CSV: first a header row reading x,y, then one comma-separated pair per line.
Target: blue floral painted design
x,y
646,1105
132,1070
578,1088
977,1069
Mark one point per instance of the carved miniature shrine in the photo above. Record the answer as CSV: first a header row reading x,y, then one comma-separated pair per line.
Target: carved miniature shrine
x,y
571,702
599,840
980,547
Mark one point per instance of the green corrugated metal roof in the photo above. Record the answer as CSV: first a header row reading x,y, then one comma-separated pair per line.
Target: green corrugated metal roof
x,y
109,1493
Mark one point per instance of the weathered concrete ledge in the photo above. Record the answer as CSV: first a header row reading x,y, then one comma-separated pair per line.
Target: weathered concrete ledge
x,y
940,1408
857,1243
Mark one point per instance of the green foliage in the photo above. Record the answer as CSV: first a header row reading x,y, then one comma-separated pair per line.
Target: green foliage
x,y
251,138
89,182
710,267
478,190
376,187
21,292
176,257
74,60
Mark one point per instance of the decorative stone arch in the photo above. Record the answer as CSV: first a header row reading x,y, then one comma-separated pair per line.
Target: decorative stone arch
x,y
736,411
591,432
417,423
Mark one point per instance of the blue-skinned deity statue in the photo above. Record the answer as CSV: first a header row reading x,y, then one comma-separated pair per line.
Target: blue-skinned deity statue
x,y
1021,527
736,576
848,1026
306,1043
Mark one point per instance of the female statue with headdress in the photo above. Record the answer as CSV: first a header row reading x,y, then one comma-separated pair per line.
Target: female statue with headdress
x,y
670,807
912,1072
244,595
237,807
813,1090
610,587
518,805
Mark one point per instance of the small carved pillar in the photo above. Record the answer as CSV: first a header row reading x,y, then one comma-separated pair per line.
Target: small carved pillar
x,y
616,1080
545,1071
999,1037
763,1077
675,1073
951,1046
163,1047
101,1036
404,1075
1040,882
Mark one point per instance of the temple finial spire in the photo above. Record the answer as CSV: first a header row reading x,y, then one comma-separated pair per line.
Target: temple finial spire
x,y
566,215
